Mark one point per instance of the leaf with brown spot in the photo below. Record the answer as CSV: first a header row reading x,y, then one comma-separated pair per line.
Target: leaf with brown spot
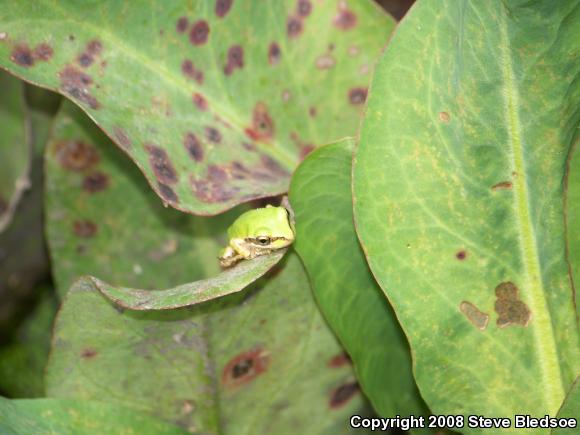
x,y
210,63
141,244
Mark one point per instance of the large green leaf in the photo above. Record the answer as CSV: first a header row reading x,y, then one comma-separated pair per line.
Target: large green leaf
x,y
570,409
15,147
252,362
52,416
458,185
346,292
216,101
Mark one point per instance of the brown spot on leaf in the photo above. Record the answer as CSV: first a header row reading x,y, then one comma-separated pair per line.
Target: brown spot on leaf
x,y
76,155
304,8
121,137
478,318
345,19
504,185
189,70
85,60
222,7
294,27
510,310
274,54
340,360
357,96
213,189
95,182
235,59
193,147
444,117
273,166
461,255
161,165
181,25
76,84
213,135
89,353
22,55
200,101
245,367
262,124
341,395
43,52
167,193
305,150
312,111
94,47
326,61
199,32
85,228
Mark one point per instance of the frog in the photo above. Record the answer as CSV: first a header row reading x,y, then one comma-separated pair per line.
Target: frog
x,y
257,232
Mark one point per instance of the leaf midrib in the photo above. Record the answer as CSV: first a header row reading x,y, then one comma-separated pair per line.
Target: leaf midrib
x,y
533,288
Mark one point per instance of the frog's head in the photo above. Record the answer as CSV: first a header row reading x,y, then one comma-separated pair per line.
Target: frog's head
x,y
270,228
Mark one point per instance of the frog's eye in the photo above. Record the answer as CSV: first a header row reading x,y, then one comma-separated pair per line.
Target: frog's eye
x,y
263,240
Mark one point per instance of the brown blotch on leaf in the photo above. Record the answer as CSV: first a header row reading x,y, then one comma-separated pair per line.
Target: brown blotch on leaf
x,y
95,47
22,55
88,353
193,147
95,182
189,70
213,135
340,360
222,7
181,25
200,101
504,185
199,32
161,165
444,117
510,310
312,111
341,395
85,60
273,166
214,188
461,255
478,318
325,61
76,155
235,59
305,150
121,138
167,193
304,8
357,96
263,127
85,228
76,84
294,27
43,52
345,19
245,367
274,54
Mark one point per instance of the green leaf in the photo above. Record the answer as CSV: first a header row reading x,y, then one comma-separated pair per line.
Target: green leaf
x,y
573,217
229,281
459,200
15,147
252,362
570,409
216,101
51,416
347,294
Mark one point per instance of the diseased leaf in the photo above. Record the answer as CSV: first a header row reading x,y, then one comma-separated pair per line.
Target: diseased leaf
x,y
15,147
347,294
198,367
227,282
459,200
52,416
570,409
216,101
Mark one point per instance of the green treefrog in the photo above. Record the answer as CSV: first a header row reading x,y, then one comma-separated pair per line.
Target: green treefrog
x,y
257,232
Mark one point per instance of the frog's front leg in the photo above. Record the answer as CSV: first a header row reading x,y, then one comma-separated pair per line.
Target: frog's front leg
x,y
242,248
229,257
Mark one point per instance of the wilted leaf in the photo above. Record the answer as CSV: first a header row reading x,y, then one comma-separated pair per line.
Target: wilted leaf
x,y
252,362
52,416
346,292
15,147
216,101
229,281
459,200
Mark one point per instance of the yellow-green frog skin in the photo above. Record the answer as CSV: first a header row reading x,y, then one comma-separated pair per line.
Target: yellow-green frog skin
x,y
257,232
